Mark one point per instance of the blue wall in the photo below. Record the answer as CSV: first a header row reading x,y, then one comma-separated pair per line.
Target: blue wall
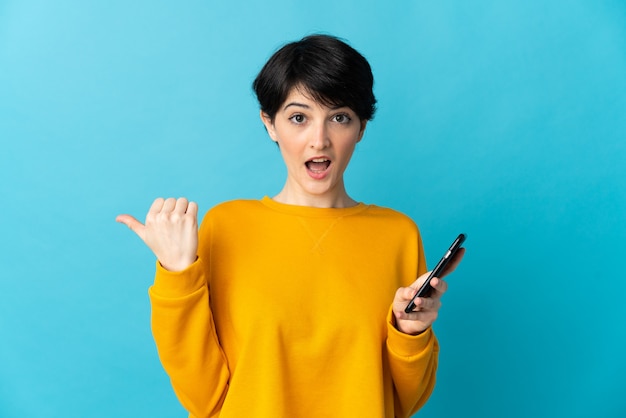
x,y
502,119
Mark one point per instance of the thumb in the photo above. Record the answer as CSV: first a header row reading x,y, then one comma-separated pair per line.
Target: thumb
x,y
133,224
420,280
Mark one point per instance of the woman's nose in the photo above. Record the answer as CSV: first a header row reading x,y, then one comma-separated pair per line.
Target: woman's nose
x,y
319,138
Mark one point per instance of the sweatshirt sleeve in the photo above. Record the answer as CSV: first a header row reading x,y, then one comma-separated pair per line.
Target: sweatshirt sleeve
x,y
186,339
413,365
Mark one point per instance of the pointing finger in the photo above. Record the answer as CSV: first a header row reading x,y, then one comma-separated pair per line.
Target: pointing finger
x,y
132,223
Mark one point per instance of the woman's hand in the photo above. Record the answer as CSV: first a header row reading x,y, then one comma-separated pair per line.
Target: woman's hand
x,y
171,231
426,309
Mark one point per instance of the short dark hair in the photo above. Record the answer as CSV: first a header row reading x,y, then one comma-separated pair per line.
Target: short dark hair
x,y
330,70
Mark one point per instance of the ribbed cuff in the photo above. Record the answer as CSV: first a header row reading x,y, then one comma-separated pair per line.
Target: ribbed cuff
x,y
176,284
405,345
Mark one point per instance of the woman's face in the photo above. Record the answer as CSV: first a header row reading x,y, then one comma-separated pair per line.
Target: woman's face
x,y
316,143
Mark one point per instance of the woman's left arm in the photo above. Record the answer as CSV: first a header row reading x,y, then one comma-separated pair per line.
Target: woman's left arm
x,y
412,347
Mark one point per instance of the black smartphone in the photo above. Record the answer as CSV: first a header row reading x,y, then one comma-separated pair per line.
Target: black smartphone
x,y
426,288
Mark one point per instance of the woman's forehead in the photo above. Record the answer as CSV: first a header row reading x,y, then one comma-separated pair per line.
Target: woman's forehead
x,y
301,95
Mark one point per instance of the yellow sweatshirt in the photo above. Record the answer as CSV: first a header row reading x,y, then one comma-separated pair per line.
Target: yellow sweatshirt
x,y
286,313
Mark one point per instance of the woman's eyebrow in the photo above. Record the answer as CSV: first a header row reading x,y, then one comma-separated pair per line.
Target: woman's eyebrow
x,y
297,104
305,106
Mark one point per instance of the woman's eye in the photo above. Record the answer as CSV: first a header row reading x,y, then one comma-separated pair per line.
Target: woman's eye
x,y
342,118
297,118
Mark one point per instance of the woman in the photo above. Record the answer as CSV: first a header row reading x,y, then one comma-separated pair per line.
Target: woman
x,y
293,306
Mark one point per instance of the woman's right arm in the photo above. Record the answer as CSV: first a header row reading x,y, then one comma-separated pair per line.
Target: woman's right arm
x,y
186,339
182,322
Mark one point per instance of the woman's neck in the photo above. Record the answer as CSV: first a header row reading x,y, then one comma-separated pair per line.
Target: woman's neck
x,y
327,200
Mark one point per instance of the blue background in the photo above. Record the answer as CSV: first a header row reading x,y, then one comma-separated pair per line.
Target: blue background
x,y
502,119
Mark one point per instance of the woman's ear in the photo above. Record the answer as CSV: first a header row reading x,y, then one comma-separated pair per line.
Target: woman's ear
x,y
269,125
363,126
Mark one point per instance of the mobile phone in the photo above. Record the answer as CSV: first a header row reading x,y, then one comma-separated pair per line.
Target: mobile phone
x,y
426,288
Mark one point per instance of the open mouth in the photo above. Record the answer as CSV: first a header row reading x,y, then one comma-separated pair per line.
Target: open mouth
x,y
318,165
